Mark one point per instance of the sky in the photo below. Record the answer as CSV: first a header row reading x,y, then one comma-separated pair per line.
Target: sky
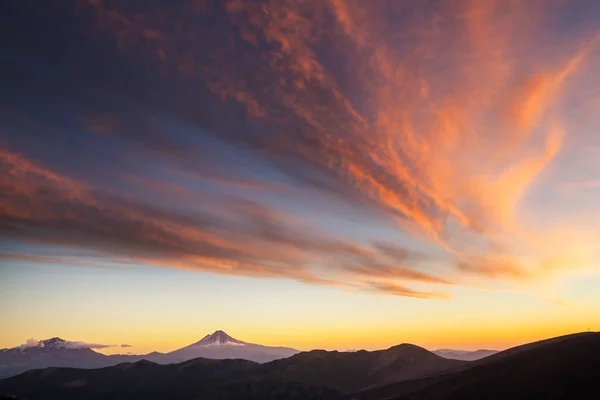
x,y
317,174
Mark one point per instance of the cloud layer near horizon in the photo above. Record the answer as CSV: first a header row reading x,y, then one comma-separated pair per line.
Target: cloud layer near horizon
x,y
438,119
31,342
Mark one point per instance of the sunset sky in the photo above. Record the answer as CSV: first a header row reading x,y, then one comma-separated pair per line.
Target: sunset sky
x,y
315,174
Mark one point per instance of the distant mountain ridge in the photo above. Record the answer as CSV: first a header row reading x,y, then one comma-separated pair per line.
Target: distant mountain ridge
x,y
465,355
560,368
316,374
57,352
53,352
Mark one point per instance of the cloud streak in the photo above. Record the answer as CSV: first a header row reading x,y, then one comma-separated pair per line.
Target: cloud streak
x,y
439,118
31,342
243,238
443,160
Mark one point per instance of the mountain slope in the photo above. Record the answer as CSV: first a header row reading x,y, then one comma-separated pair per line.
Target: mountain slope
x,y
350,371
465,355
142,379
51,352
220,345
312,375
56,352
559,368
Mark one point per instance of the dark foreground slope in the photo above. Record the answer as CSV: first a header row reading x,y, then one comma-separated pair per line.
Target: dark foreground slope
x,y
138,380
567,367
311,375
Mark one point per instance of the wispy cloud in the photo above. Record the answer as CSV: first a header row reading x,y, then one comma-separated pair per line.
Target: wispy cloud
x,y
243,238
84,345
440,118
31,342
440,149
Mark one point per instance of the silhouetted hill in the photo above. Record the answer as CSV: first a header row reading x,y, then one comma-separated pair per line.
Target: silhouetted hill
x,y
565,367
560,368
140,380
312,375
350,371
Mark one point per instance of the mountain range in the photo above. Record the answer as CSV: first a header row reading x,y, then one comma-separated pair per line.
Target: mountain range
x,y
56,352
314,374
560,368
564,367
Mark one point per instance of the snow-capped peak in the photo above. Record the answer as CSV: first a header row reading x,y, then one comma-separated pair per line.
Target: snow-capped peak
x,y
219,338
54,343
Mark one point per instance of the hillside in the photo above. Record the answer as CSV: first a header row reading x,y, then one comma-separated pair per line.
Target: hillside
x,y
559,368
311,375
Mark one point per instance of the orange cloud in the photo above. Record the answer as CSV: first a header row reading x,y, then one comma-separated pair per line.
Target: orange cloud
x,y
238,238
439,116
392,288
491,267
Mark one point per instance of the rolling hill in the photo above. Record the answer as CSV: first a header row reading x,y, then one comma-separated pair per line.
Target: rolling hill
x,y
565,367
560,368
312,375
